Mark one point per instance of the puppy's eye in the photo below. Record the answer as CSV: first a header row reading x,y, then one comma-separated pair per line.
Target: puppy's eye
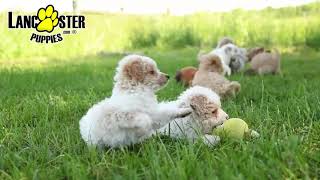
x,y
215,111
152,72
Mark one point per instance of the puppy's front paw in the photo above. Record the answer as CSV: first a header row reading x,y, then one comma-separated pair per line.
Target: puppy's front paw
x,y
210,140
228,71
254,134
183,112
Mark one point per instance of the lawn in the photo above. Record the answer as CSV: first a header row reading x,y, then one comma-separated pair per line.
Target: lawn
x,y
285,28
42,102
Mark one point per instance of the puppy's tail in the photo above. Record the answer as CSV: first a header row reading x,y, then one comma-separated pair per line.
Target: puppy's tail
x,y
276,52
200,53
277,56
233,88
178,76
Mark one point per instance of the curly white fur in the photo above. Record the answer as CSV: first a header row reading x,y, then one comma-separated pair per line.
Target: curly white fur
x,y
132,113
225,53
192,127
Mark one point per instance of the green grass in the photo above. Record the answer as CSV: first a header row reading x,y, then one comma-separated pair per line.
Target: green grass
x,y
43,101
46,88
286,28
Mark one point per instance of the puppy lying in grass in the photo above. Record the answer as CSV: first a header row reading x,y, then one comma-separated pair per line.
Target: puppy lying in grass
x,y
207,114
210,75
263,62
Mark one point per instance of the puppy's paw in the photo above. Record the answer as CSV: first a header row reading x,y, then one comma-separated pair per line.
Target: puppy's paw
x,y
254,134
210,140
183,112
228,71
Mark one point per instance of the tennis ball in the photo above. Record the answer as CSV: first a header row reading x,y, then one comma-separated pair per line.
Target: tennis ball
x,y
234,128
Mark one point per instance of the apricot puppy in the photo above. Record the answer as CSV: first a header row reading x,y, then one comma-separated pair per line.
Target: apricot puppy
x,y
265,62
185,75
210,75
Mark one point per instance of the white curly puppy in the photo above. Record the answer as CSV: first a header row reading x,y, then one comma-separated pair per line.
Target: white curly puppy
x,y
237,62
226,53
132,113
206,115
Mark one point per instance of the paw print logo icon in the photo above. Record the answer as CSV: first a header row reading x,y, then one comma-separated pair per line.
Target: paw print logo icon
x,y
48,19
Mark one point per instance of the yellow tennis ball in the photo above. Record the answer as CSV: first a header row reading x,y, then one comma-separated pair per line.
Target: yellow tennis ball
x,y
233,128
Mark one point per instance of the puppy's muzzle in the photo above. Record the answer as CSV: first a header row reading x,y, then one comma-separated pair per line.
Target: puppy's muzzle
x,y
163,79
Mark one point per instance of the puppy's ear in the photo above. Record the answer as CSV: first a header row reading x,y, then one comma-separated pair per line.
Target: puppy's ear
x,y
260,50
197,103
227,50
134,70
200,54
243,51
224,41
178,76
243,54
216,63
254,51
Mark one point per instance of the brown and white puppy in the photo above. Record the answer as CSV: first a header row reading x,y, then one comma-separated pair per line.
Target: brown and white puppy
x,y
209,75
185,75
132,113
264,62
207,114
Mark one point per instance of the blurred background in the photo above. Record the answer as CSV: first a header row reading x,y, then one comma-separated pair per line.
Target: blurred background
x,y
132,25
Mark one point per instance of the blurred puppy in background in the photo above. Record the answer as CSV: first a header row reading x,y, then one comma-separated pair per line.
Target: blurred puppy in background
x,y
232,58
254,51
238,62
224,41
210,75
185,75
238,59
225,54
264,62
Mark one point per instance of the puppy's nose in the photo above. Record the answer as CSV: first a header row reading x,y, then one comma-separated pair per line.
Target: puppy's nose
x,y
167,76
227,117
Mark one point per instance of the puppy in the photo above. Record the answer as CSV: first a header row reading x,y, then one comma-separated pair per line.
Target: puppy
x,y
209,75
206,115
185,75
254,51
223,41
265,63
226,53
238,60
132,113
